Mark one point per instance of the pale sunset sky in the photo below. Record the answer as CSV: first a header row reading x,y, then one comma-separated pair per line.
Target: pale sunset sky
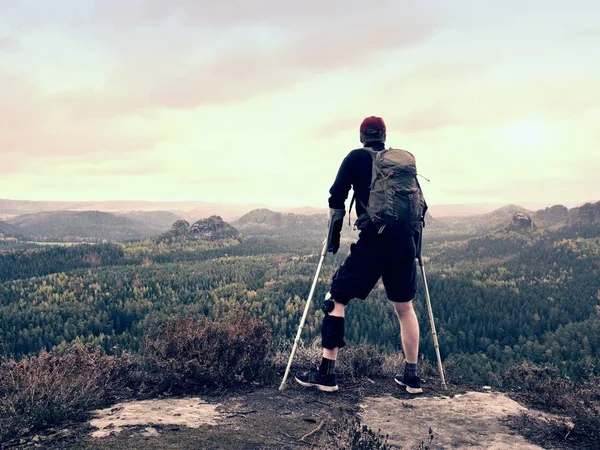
x,y
259,101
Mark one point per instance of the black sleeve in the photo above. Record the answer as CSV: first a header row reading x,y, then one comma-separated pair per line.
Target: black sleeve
x,y
342,184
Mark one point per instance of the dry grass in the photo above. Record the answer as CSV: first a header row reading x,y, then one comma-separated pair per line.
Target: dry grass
x,y
348,434
185,356
354,362
49,389
189,356
543,388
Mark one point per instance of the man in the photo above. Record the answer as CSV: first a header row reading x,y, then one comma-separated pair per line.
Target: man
x,y
378,253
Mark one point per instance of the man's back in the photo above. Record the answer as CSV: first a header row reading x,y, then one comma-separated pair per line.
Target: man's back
x,y
355,172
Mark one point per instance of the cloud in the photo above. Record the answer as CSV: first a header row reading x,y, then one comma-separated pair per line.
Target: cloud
x,y
556,189
235,76
220,180
430,118
590,32
7,44
484,104
33,125
11,164
119,168
238,12
236,50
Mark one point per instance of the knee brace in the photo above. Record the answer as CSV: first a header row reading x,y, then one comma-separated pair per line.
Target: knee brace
x,y
332,332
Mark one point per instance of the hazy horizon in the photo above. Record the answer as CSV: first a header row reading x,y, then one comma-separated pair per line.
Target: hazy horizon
x,y
241,103
189,205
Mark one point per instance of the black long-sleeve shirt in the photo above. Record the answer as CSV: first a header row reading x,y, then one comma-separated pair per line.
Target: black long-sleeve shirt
x,y
355,172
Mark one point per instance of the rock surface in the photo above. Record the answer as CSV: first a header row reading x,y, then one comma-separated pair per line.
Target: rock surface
x,y
473,420
189,412
296,418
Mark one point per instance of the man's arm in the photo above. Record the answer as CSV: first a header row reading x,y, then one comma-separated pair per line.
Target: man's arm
x,y
341,186
337,204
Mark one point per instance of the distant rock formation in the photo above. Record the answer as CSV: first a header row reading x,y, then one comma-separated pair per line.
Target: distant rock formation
x,y
213,228
180,228
521,221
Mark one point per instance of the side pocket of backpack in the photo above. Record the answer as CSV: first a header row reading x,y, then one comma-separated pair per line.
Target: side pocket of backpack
x,y
404,205
362,221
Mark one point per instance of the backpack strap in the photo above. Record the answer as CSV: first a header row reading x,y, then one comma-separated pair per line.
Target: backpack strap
x,y
425,208
373,155
350,210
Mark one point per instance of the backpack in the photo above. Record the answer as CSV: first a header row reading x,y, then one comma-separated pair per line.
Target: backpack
x,y
396,201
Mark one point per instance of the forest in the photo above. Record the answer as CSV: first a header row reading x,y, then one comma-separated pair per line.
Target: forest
x,y
501,298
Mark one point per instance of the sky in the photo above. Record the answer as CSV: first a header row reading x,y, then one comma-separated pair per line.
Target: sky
x,y
259,101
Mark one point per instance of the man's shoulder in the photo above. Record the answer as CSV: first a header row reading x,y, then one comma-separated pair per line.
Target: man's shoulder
x,y
358,153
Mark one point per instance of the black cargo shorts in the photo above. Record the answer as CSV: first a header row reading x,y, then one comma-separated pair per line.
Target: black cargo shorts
x,y
387,256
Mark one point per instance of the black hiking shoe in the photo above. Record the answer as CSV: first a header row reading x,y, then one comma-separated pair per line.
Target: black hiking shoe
x,y
313,378
412,384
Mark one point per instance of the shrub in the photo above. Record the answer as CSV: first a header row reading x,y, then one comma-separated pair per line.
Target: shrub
x,y
539,387
578,403
361,361
189,355
348,434
45,390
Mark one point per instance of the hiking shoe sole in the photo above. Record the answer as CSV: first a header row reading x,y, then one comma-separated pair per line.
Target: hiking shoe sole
x,y
410,390
318,386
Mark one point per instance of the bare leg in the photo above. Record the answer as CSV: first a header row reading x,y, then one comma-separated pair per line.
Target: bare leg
x,y
409,330
338,311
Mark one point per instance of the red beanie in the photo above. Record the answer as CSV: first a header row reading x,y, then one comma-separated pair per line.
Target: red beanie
x,y
372,123
372,129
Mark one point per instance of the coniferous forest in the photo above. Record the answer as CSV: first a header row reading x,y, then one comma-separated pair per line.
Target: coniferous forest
x,y
501,297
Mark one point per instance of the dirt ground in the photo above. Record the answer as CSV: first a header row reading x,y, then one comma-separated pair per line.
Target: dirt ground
x,y
296,418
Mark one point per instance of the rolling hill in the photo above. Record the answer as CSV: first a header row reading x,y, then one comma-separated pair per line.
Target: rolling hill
x,y
8,230
134,225
189,210
83,225
158,221
265,221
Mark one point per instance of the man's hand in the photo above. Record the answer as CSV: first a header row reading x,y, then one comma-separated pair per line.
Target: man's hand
x,y
336,220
